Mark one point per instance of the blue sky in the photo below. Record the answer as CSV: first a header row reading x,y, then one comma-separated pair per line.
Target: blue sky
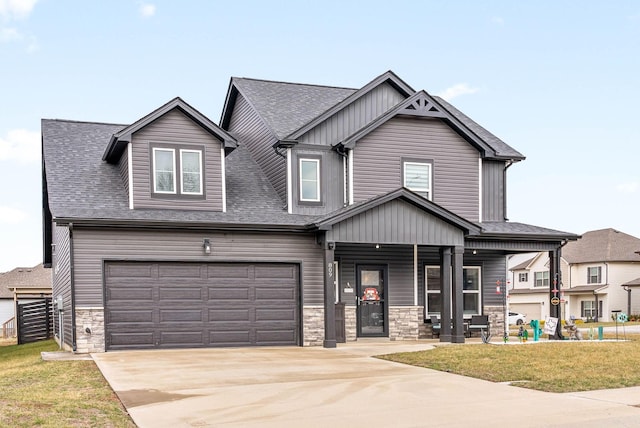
x,y
558,81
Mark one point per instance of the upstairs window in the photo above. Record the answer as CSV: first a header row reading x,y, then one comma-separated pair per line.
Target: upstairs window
x,y
417,177
191,172
594,275
177,171
523,277
542,279
164,166
309,180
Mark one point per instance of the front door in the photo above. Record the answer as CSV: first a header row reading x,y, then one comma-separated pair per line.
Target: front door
x,y
372,305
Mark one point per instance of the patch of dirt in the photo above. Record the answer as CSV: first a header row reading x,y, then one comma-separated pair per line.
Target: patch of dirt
x,y
141,397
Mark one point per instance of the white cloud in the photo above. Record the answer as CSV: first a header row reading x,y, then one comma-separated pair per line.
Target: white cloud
x,y
10,215
21,145
16,9
9,35
457,90
147,10
631,187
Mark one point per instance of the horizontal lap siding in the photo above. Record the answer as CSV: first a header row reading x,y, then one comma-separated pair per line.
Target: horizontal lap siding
x,y
356,115
176,128
92,246
251,131
378,157
331,186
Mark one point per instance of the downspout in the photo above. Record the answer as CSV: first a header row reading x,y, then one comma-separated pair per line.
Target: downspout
x,y
74,345
504,189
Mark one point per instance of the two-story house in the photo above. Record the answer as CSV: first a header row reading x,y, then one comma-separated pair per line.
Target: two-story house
x,y
598,276
309,215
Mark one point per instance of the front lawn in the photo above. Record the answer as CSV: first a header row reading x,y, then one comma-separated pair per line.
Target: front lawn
x,y
546,366
54,393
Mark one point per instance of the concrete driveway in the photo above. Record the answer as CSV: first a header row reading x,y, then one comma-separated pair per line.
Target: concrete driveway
x,y
344,387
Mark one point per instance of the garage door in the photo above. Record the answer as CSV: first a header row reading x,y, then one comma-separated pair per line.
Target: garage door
x,y
185,305
531,310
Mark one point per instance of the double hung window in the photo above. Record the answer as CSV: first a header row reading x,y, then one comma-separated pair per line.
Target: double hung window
x,y
594,275
177,171
471,290
309,180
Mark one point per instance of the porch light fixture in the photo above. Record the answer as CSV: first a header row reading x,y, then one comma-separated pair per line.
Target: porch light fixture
x,y
475,252
206,245
377,246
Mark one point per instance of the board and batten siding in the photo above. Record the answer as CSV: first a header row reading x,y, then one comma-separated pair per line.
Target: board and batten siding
x,y
175,128
396,222
353,117
93,246
61,279
378,157
251,131
493,191
123,166
398,260
331,182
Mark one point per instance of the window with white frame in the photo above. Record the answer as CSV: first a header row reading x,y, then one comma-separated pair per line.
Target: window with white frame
x,y
309,180
523,277
542,279
417,178
164,167
471,290
594,275
191,172
177,171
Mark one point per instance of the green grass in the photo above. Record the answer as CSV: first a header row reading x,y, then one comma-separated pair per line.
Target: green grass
x,y
37,393
545,366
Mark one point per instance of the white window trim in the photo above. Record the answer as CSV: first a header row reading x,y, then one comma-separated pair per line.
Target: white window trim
x,y
199,153
317,162
598,275
428,190
478,291
289,183
548,278
224,180
130,173
480,188
155,184
350,156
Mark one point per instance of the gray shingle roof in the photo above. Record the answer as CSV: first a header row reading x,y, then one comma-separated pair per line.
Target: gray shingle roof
x,y
25,277
83,186
523,265
285,107
498,228
500,147
604,245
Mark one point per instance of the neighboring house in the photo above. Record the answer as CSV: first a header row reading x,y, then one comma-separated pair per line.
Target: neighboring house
x,y
173,231
21,285
597,270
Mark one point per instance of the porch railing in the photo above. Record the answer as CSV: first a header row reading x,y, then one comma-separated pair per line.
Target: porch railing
x,y
9,328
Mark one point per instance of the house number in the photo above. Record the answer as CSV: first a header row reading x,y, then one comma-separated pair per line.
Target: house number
x,y
330,269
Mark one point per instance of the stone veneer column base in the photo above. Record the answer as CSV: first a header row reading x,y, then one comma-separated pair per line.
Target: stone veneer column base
x,y
92,319
496,321
404,322
312,325
350,322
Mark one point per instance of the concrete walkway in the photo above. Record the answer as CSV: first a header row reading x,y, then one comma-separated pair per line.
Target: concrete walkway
x,y
343,387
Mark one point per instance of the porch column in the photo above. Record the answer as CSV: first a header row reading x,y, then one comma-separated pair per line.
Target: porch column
x,y
456,286
329,297
445,294
554,286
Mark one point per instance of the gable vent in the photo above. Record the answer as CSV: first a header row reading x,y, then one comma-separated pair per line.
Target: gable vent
x,y
422,106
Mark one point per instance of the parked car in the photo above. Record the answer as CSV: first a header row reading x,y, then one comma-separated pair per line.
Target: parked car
x,y
517,318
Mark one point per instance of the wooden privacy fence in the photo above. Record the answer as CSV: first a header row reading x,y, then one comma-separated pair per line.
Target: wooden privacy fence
x,y
34,321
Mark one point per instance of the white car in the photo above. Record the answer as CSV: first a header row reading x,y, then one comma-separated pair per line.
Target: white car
x,y
516,318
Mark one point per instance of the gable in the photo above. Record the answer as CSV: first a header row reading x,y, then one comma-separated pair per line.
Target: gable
x,y
396,222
